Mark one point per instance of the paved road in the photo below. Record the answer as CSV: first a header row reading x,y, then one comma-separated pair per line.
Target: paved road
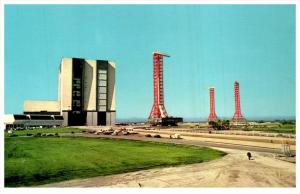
x,y
191,142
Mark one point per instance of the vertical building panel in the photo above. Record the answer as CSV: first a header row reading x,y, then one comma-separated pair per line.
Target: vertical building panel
x,y
95,118
102,85
59,89
77,116
89,118
111,101
108,118
90,78
66,118
66,84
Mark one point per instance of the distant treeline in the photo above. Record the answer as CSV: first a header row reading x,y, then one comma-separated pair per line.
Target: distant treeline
x,y
283,121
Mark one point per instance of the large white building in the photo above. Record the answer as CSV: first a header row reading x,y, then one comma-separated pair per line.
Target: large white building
x,y
86,93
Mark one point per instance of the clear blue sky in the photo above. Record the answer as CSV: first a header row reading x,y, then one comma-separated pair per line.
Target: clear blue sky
x,y
210,45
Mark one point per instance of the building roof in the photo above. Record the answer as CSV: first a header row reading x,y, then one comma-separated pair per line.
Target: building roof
x,y
41,105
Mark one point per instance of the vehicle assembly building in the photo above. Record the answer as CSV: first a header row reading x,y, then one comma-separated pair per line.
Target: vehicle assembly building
x,y
86,94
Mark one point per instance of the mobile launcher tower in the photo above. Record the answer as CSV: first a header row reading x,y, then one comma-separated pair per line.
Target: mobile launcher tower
x,y
159,115
212,115
237,117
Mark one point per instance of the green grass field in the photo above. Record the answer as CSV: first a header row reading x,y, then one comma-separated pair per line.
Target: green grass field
x,y
48,130
275,130
40,160
286,128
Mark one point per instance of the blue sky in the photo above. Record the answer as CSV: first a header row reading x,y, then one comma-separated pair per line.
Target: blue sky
x,y
210,45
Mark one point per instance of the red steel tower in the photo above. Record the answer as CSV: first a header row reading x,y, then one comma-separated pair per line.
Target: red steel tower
x,y
238,114
158,109
212,115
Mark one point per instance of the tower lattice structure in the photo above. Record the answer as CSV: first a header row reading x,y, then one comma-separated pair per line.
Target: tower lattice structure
x,y
212,115
158,109
238,114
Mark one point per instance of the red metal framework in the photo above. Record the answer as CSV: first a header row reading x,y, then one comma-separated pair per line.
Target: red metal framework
x,y
158,109
238,114
212,115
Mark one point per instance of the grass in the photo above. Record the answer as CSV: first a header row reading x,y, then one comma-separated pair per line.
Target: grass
x,y
39,160
284,128
275,130
47,130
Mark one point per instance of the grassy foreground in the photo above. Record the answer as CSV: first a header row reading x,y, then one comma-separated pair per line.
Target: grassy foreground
x,y
40,160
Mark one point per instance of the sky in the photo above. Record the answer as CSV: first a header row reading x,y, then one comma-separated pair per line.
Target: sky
x,y
209,45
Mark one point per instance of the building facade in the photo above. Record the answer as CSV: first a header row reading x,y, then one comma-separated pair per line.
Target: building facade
x,y
86,93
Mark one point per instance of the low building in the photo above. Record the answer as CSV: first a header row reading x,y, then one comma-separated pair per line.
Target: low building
x,y
16,121
41,107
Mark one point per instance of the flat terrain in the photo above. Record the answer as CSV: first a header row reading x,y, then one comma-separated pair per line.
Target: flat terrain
x,y
233,170
283,126
202,142
288,128
40,160
114,162
241,141
29,132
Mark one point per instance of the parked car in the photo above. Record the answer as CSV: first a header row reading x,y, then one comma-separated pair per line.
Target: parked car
x,y
107,132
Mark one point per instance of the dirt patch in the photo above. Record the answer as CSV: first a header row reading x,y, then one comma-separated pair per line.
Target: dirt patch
x,y
233,170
